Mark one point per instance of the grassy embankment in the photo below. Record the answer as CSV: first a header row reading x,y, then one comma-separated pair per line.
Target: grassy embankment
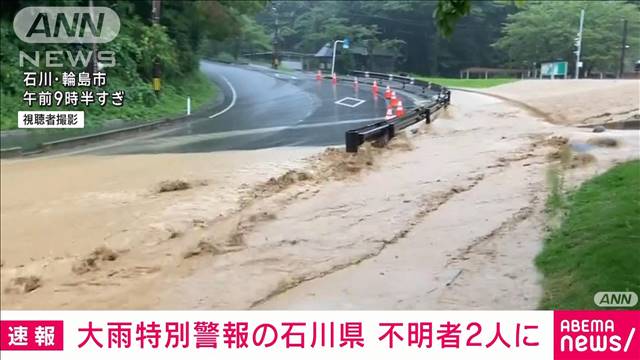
x,y
596,247
171,102
468,83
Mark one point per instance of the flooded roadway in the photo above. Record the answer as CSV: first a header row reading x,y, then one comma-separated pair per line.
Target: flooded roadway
x,y
264,109
260,108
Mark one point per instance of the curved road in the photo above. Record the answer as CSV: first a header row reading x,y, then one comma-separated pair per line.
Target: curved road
x,y
263,108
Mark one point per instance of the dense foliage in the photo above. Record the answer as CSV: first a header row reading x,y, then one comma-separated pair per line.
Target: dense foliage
x,y
406,29
546,30
442,37
176,42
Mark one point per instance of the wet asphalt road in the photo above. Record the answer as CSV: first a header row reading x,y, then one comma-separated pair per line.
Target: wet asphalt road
x,y
265,109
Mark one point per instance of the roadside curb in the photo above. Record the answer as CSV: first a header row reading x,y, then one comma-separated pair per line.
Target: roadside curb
x,y
11,152
85,139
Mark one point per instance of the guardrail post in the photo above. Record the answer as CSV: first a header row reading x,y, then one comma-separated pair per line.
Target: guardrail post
x,y
428,116
448,97
391,130
387,134
352,141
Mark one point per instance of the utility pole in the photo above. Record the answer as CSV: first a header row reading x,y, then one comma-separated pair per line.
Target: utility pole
x,y
155,11
623,48
155,20
579,45
94,48
275,42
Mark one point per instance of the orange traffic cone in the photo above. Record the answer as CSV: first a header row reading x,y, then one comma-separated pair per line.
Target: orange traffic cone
x,y
387,93
389,115
334,79
399,109
319,75
375,87
394,99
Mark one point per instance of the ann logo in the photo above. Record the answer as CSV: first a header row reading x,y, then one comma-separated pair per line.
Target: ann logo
x,y
66,24
615,299
77,27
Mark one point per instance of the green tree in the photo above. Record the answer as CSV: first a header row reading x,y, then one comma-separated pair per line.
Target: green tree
x,y
449,12
405,28
547,30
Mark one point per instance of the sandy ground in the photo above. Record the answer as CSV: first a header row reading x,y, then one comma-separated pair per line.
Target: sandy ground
x,y
449,216
577,101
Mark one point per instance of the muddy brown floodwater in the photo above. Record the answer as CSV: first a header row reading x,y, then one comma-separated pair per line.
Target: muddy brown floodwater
x,y
56,212
449,216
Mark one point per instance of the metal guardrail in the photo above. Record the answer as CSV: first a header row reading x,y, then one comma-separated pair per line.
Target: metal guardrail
x,y
383,131
403,80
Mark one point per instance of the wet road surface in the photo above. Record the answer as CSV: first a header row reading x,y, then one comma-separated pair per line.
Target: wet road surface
x,y
265,109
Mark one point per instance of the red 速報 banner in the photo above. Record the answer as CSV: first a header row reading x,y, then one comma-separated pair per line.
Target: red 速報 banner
x,y
320,334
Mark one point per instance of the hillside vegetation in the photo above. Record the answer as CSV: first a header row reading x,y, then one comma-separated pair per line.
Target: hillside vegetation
x,y
176,42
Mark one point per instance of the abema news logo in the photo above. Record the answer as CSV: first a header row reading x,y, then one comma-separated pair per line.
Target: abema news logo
x,y
596,335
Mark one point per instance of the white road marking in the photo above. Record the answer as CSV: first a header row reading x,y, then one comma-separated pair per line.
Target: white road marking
x,y
356,102
125,141
201,136
186,139
234,96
